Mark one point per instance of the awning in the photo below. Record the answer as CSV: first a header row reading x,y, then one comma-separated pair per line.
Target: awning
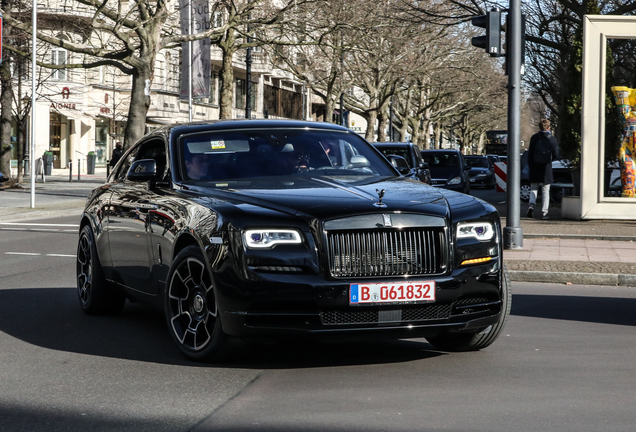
x,y
163,121
73,114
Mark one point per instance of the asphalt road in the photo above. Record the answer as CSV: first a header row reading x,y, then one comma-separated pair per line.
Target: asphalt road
x,y
563,363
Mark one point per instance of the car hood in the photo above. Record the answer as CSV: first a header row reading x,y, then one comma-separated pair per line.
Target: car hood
x,y
323,198
478,170
444,172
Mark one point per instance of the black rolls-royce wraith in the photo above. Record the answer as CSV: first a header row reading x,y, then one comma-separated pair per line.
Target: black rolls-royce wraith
x,y
265,229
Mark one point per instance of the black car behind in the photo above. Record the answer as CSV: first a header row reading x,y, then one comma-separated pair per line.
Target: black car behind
x,y
259,230
482,171
448,169
411,154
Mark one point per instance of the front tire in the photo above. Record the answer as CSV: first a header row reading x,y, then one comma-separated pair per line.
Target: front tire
x,y
457,342
192,312
96,296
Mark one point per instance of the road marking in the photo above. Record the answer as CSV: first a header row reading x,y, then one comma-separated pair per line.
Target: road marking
x,y
40,254
37,224
22,253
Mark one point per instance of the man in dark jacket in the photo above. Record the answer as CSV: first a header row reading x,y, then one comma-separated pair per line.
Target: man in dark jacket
x,y
543,150
118,151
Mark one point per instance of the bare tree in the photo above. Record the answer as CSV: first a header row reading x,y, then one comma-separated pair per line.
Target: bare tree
x,y
127,39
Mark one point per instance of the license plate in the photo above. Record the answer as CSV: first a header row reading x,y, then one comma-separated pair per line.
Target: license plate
x,y
397,293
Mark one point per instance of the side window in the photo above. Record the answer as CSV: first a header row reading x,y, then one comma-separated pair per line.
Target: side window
x,y
125,166
155,149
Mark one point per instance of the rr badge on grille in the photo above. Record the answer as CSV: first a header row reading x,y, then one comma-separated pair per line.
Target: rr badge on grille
x,y
387,220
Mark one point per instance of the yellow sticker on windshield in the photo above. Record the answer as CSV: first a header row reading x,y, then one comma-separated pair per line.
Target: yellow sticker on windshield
x,y
215,145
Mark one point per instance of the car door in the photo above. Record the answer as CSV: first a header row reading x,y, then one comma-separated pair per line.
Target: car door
x,y
129,221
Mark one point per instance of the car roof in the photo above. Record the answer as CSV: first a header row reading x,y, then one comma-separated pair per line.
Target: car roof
x,y
476,156
441,151
250,124
392,144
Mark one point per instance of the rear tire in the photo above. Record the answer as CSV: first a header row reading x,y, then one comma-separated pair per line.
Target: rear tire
x,y
95,294
457,342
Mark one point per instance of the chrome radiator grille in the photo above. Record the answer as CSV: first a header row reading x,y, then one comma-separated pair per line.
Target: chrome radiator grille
x,y
387,252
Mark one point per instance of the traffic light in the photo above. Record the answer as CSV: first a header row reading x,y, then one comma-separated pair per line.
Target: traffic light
x,y
492,41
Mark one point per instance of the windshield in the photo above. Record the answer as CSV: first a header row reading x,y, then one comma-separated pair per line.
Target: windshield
x,y
477,162
387,151
447,160
239,155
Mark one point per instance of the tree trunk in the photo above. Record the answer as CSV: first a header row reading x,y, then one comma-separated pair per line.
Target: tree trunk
x,y
139,104
329,109
6,99
227,75
370,133
438,135
5,117
382,125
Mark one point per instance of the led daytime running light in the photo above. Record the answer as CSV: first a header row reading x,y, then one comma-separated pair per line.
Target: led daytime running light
x,y
476,261
267,238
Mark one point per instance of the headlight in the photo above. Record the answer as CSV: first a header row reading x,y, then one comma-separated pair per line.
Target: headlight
x,y
267,238
456,180
482,231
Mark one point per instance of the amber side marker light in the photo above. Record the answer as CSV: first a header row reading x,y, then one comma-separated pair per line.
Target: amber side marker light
x,y
476,261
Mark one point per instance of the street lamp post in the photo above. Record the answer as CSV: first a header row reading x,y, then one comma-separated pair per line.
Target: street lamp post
x,y
34,18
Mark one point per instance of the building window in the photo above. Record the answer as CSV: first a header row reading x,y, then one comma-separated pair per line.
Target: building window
x,y
58,57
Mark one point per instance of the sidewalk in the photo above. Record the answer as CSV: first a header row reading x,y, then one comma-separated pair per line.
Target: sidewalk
x,y
555,250
578,252
55,197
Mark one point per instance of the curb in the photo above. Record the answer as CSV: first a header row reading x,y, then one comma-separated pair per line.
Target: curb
x,y
579,237
574,278
34,214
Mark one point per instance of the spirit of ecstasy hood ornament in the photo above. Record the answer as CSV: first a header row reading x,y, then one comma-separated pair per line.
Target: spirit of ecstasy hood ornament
x,y
380,204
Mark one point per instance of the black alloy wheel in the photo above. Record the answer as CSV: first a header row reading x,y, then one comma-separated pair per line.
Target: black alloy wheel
x,y
95,294
457,342
192,311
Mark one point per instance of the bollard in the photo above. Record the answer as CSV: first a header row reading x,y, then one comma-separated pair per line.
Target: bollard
x,y
107,168
79,168
70,170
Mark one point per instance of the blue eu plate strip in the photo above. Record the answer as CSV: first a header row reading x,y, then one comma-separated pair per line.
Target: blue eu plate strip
x,y
353,293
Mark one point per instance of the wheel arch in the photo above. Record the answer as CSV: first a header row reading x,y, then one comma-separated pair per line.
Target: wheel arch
x,y
183,241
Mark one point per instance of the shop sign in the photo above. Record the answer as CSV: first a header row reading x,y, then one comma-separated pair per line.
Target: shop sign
x,y
57,105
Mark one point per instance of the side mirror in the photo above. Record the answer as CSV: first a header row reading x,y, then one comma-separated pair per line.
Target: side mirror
x,y
466,167
424,165
399,163
359,161
142,170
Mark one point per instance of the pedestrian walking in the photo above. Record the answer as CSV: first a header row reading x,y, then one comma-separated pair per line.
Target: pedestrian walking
x,y
543,150
118,151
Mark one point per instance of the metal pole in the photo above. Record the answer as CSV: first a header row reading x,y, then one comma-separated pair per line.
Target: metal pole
x,y
70,170
79,168
513,233
190,62
34,21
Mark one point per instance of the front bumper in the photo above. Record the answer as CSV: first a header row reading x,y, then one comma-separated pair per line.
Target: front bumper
x,y
296,305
